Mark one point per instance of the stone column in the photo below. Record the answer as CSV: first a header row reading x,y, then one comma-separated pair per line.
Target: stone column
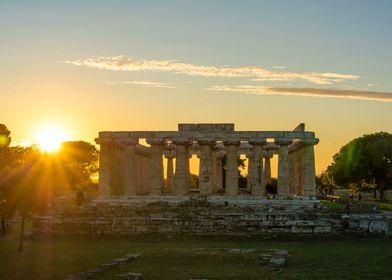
x,y
105,156
156,166
308,165
219,155
129,168
117,163
255,167
206,167
181,177
170,153
232,167
283,166
267,170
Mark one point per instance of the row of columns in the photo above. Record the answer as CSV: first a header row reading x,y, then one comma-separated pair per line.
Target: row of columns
x,y
210,175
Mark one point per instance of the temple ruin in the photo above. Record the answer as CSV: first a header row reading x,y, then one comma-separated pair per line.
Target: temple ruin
x,y
131,169
144,187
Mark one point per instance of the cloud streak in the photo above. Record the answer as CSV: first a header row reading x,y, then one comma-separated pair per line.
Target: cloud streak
x,y
313,92
142,83
122,63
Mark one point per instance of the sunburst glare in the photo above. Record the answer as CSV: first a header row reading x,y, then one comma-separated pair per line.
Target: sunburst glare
x,y
49,139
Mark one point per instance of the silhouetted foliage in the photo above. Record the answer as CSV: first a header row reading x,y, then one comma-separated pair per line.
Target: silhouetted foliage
x,y
193,181
364,163
79,160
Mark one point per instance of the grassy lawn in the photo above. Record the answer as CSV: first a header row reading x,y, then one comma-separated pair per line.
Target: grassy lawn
x,y
198,257
341,208
385,206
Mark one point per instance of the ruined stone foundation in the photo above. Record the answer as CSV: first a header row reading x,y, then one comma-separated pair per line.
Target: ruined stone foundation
x,y
199,216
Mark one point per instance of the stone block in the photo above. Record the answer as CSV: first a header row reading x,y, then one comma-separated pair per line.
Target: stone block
x,y
378,226
131,276
278,261
322,229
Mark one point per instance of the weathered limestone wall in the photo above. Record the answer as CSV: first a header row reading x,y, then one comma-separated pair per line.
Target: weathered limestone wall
x,y
189,217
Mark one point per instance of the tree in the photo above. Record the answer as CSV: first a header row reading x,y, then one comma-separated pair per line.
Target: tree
x,y
23,186
79,160
5,140
364,163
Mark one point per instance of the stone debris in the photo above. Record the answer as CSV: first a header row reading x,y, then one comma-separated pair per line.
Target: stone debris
x,y
238,250
277,259
96,272
282,252
264,259
131,276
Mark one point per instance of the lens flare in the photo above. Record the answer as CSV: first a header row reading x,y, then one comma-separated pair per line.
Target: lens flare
x,y
49,139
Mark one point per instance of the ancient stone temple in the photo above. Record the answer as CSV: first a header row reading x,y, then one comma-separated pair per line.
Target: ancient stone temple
x,y
144,186
130,169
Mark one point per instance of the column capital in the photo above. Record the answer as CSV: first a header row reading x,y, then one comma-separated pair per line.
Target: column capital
x,y
259,142
206,142
219,153
169,154
268,155
283,141
182,142
231,142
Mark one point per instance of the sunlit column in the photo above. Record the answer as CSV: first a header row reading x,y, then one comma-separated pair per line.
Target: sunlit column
x,y
181,177
283,166
105,156
129,168
218,176
255,167
232,167
206,167
308,165
170,154
156,166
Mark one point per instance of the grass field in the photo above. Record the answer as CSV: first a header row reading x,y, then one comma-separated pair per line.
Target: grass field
x,y
198,257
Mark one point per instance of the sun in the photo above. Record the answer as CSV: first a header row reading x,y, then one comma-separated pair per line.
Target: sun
x,y
49,139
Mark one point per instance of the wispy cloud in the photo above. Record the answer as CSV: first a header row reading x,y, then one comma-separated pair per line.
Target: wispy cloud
x,y
279,67
122,63
315,92
142,83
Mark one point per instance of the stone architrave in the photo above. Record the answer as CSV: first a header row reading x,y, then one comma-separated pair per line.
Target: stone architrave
x,y
283,167
308,165
156,166
232,173
129,167
105,156
206,166
267,170
255,167
181,176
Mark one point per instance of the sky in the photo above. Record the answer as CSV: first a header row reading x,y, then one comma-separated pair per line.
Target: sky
x,y
90,66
